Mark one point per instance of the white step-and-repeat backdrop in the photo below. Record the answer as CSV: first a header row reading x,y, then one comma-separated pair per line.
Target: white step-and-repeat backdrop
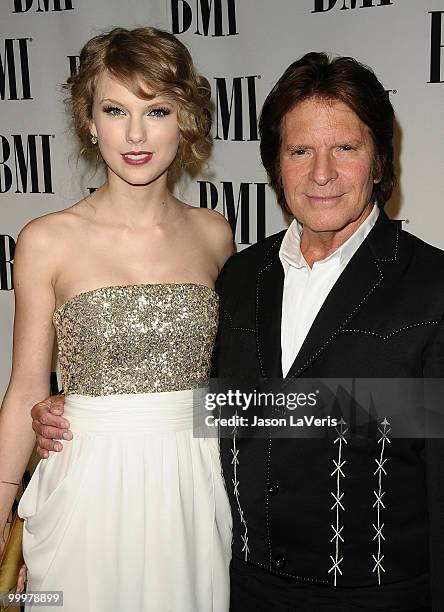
x,y
242,46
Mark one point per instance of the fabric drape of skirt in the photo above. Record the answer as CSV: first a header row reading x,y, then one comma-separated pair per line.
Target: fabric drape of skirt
x,y
133,513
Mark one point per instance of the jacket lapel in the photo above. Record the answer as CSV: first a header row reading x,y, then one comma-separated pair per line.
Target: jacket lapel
x,y
268,312
361,277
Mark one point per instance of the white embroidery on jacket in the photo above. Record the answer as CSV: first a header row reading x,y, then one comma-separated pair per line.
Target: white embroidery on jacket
x,y
380,472
235,481
338,497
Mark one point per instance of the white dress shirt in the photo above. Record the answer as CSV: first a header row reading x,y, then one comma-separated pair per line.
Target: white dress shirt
x,y
305,288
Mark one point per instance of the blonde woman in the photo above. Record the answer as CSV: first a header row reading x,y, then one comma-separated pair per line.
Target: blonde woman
x,y
133,514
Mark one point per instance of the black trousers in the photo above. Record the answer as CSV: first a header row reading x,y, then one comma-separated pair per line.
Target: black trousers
x,y
254,589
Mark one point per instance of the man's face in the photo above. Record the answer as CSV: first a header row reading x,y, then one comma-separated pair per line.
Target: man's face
x,y
327,162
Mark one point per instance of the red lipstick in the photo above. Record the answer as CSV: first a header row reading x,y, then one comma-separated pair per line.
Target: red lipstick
x,y
137,158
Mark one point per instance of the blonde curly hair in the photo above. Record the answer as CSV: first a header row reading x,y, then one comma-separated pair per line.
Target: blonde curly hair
x,y
149,62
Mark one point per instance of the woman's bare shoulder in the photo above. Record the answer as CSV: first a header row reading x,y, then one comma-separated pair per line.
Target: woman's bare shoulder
x,y
51,228
45,243
215,230
211,220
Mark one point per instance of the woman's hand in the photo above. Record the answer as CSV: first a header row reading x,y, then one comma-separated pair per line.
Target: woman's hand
x,y
21,579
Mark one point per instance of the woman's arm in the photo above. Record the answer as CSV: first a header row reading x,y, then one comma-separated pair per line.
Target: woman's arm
x,y
32,353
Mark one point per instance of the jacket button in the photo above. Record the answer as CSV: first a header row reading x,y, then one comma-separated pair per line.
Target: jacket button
x,y
273,488
280,562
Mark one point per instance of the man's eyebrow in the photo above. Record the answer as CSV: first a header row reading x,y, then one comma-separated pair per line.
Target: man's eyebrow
x,y
292,147
298,145
352,141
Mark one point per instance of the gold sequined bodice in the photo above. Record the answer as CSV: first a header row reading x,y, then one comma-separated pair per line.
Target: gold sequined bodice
x,y
136,338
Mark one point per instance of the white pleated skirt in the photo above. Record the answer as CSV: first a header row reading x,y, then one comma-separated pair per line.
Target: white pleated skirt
x,y
133,514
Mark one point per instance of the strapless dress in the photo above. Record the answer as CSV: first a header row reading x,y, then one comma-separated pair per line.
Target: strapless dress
x,y
133,514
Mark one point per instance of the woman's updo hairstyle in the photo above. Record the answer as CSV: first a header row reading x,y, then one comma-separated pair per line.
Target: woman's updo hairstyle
x,y
149,62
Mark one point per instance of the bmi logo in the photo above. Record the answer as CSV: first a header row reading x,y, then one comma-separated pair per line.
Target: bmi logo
x,y
206,17
74,64
7,248
322,6
25,163
238,210
15,83
236,109
436,46
42,6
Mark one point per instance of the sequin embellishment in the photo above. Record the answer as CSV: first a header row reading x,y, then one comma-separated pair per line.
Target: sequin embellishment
x,y
136,338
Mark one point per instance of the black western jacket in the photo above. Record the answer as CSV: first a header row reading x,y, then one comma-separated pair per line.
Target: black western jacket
x,y
382,319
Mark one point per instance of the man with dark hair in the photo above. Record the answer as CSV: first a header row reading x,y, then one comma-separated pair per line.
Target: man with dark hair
x,y
343,293
341,523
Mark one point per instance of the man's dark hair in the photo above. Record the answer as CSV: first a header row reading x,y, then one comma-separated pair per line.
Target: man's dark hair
x,y
315,75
